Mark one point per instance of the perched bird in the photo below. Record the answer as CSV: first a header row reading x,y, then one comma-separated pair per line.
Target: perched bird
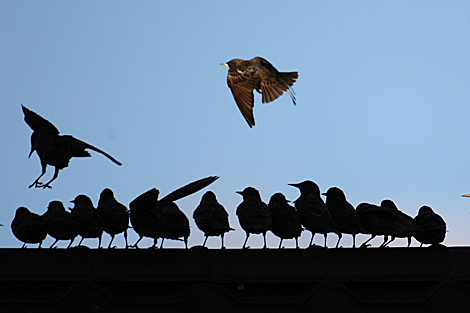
x,y
432,227
114,215
253,214
376,220
258,74
313,212
285,219
343,213
89,219
211,217
60,224
28,227
54,149
155,218
403,225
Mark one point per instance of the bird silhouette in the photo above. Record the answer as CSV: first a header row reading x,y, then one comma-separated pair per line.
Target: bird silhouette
x,y
54,149
211,217
403,225
258,74
313,212
432,227
89,219
253,214
285,219
376,220
147,212
343,213
60,224
114,215
28,227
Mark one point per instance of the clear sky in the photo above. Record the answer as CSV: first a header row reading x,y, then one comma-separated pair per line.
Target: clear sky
x,y
382,104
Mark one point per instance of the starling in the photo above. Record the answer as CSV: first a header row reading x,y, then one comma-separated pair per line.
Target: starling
x,y
285,219
343,213
28,227
54,149
114,215
89,219
60,224
376,220
432,227
253,214
258,74
211,217
403,225
155,218
313,212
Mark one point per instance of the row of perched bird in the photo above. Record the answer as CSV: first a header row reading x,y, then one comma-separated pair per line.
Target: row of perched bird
x,y
154,218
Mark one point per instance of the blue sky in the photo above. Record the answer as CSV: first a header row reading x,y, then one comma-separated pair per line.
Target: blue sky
x,y
382,103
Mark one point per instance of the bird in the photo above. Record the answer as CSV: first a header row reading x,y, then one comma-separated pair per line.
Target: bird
x,y
211,217
54,149
285,219
147,212
258,74
89,219
114,215
313,212
343,213
432,226
60,224
28,227
253,214
403,225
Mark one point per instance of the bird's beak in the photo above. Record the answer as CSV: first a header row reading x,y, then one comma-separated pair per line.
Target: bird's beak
x,y
239,192
323,194
294,185
31,152
467,195
225,64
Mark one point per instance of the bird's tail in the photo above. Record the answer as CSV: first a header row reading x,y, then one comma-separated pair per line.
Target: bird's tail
x,y
189,189
88,146
289,79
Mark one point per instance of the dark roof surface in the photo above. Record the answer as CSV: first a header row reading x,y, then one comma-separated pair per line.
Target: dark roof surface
x,y
209,280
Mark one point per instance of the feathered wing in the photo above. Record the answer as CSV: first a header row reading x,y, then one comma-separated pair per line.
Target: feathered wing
x,y
273,87
38,123
242,84
188,189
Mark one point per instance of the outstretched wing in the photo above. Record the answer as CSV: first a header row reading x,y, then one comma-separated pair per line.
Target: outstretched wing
x,y
242,82
38,123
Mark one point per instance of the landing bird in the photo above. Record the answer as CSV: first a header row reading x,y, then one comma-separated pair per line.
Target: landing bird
x,y
253,214
432,226
285,219
313,212
114,215
155,218
54,149
258,74
60,224
89,219
211,217
28,227
343,213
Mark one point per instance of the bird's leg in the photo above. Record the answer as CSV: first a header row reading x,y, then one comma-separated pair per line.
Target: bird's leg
x,y
354,240
36,182
112,238
70,244
161,246
388,242
409,241
23,246
40,245
364,244
222,237
80,242
339,239
244,244
186,242
384,242
52,246
136,244
280,244
47,185
311,239
125,237
265,244
99,242
204,244
325,234
297,242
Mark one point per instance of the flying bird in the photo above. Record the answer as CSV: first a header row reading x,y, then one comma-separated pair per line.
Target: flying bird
x,y
253,214
258,74
211,217
155,218
54,149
